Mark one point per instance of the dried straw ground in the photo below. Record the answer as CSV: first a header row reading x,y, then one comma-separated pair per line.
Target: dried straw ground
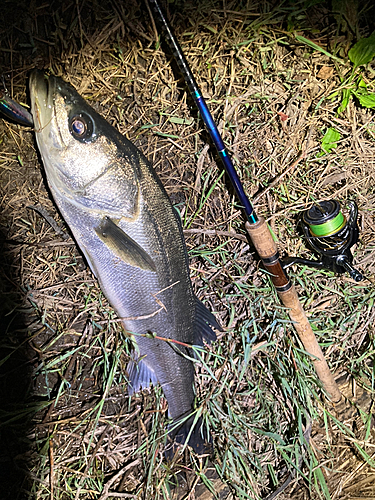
x,y
68,429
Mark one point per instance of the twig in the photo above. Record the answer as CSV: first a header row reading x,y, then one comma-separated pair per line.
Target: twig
x,y
285,484
291,167
106,493
156,34
51,478
90,461
214,232
51,221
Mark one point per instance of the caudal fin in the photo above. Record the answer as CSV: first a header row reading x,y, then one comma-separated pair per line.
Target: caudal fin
x,y
193,432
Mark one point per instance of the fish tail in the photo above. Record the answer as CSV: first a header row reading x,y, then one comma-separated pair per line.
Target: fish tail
x,y
191,432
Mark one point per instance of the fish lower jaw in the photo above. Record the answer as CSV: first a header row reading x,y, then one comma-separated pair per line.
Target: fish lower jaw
x,y
52,140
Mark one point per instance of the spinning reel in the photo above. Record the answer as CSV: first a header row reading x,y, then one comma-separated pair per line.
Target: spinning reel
x,y
330,235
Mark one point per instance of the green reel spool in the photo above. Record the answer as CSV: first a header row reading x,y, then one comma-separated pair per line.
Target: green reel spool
x,y
324,219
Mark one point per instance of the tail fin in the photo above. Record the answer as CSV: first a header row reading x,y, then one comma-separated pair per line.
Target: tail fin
x,y
192,432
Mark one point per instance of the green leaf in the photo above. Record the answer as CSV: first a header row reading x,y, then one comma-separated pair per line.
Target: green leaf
x,y
330,139
365,455
148,125
362,84
346,94
314,46
320,479
363,51
365,99
181,121
272,435
171,136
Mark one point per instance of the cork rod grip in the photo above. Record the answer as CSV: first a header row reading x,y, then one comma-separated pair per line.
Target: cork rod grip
x,y
290,300
262,239
267,250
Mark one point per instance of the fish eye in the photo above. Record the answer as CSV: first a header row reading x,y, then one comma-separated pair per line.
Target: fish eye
x,y
81,127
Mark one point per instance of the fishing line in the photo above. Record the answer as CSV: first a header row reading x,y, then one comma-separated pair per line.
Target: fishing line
x,y
324,219
329,227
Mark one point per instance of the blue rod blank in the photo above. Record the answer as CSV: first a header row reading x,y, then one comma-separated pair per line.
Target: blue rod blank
x,y
205,113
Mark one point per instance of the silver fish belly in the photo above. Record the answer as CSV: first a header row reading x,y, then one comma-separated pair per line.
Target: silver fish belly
x,y
131,236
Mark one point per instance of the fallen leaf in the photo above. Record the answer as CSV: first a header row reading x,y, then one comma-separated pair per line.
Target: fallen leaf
x,y
325,72
283,116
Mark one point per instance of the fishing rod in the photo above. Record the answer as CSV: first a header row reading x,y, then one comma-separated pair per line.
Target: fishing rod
x,y
256,227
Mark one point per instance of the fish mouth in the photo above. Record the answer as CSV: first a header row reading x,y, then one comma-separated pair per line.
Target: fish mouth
x,y
41,96
44,91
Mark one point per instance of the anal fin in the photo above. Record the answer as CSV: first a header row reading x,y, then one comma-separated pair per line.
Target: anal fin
x,y
140,375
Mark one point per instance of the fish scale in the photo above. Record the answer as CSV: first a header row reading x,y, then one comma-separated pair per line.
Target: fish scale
x,y
131,236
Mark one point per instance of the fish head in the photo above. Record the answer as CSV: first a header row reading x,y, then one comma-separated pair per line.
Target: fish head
x,y
77,145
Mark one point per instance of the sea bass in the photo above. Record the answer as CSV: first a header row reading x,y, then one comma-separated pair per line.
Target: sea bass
x,y
129,232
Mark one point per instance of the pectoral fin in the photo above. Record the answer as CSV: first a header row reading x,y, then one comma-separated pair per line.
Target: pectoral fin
x,y
124,246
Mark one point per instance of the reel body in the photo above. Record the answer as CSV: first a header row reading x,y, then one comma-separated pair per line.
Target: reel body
x,y
330,235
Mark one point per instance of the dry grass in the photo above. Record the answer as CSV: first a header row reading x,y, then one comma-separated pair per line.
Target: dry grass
x,y
68,429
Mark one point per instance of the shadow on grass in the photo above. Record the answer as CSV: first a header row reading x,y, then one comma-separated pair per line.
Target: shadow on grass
x,y
16,364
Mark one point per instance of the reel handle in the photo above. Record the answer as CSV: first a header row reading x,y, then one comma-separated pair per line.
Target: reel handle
x,y
353,272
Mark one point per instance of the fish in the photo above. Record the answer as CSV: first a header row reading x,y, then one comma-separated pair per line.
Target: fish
x,y
131,236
